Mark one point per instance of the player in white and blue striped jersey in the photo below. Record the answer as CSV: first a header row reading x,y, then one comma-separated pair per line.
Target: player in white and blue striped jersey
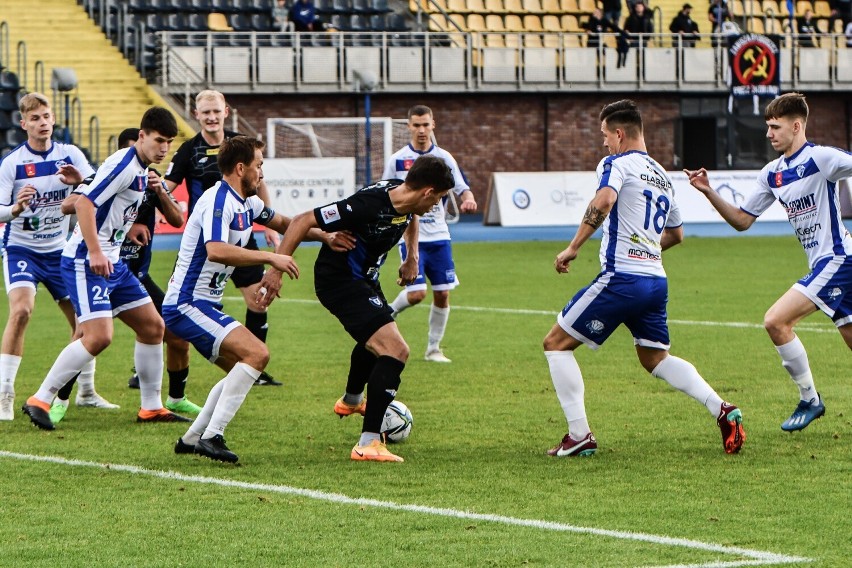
x,y
211,247
804,179
99,284
34,179
435,250
635,205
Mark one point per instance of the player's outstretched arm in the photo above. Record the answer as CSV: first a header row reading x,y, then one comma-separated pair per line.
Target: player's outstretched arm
x,y
733,215
168,205
599,207
468,202
410,267
297,231
340,241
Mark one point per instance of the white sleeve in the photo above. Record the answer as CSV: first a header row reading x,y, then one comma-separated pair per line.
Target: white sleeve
x,y
461,185
674,219
610,175
110,180
762,197
80,162
7,182
390,168
833,163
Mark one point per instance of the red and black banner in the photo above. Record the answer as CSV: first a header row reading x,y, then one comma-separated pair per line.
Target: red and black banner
x,y
755,65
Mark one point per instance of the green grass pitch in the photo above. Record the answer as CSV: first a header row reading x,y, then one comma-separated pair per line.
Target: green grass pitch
x,y
659,492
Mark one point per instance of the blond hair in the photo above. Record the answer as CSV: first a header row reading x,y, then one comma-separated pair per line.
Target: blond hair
x,y
32,101
209,94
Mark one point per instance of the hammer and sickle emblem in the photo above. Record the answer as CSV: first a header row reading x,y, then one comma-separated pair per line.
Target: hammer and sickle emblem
x,y
758,65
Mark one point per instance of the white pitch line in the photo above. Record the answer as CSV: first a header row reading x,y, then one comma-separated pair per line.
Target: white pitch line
x,y
809,327
756,557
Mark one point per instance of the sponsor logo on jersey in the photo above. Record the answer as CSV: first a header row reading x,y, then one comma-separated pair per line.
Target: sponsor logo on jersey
x,y
779,179
217,212
407,163
330,213
800,170
595,326
376,301
834,293
800,206
212,151
48,198
639,254
30,170
399,220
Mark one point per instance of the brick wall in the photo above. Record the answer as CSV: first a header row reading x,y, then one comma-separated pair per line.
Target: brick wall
x,y
526,132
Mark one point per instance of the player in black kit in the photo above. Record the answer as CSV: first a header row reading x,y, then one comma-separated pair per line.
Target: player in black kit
x,y
347,284
195,162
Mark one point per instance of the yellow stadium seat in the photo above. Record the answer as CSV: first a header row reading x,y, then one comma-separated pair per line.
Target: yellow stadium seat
x,y
532,6
495,7
570,24
533,40
802,6
822,26
757,26
218,22
736,8
494,40
513,23
771,7
458,20
569,6
457,6
550,23
587,6
532,23
822,9
513,40
551,40
551,7
437,23
514,7
476,7
838,27
572,41
474,22
772,26
494,23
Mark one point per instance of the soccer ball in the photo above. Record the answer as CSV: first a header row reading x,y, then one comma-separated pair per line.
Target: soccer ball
x,y
396,425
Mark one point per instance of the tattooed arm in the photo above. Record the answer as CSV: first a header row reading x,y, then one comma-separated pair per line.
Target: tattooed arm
x,y
594,217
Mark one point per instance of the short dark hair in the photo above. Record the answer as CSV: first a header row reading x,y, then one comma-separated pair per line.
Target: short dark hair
x,y
237,150
419,110
158,119
792,105
127,135
430,171
623,114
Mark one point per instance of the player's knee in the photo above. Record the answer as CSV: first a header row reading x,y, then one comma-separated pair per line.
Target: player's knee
x,y
95,343
441,298
416,297
259,357
774,325
19,315
153,331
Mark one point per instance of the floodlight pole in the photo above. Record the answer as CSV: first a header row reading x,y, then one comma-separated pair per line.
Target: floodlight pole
x,y
368,174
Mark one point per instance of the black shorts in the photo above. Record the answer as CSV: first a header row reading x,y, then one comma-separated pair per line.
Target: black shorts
x,y
154,291
359,305
244,276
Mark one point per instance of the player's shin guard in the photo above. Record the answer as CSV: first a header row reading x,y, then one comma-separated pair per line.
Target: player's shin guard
x,y
69,362
381,390
65,392
256,323
86,379
235,387
148,360
203,419
361,364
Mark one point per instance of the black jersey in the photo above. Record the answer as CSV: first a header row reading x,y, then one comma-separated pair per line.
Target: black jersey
x,y
195,162
377,226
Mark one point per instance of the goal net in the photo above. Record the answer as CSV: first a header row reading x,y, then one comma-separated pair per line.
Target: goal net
x,y
343,137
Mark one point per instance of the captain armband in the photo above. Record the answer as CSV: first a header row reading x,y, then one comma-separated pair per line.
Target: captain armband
x,y
265,216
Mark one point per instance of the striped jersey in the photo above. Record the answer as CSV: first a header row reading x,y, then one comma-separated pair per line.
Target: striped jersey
x,y
41,227
644,208
433,225
806,185
220,216
116,192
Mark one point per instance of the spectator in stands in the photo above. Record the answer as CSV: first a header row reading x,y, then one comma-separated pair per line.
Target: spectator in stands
x,y
685,26
840,10
279,14
612,10
631,6
718,14
638,25
806,28
303,14
597,24
848,34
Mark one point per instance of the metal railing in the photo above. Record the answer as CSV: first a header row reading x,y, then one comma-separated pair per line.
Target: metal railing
x,y
299,62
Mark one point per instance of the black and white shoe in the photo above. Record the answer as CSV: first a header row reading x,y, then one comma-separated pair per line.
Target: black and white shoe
x,y
215,449
265,380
